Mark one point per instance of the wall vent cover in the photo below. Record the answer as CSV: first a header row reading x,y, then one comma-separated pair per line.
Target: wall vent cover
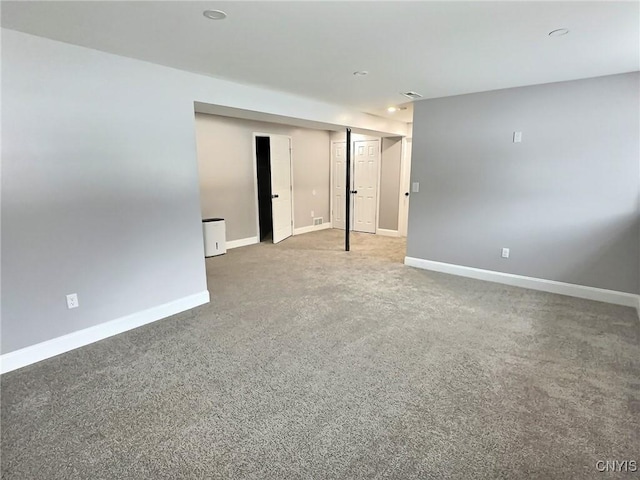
x,y
317,221
412,95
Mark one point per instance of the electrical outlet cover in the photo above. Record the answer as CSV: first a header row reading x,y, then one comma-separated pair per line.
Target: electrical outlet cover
x,y
72,300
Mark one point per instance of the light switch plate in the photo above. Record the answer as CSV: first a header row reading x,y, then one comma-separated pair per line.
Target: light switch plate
x,y
517,137
415,188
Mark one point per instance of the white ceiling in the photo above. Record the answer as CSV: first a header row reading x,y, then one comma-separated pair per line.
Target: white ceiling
x,y
312,48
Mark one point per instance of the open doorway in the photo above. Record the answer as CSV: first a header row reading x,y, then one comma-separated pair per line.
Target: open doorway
x,y
263,171
274,187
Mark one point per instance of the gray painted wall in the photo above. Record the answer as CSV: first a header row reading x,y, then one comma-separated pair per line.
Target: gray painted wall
x,y
565,200
99,190
225,162
390,164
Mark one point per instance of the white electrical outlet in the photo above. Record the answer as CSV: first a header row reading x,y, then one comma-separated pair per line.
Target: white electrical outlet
x,y
72,300
312,214
505,253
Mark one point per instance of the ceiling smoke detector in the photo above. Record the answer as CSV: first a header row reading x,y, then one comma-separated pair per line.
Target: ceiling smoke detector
x,y
214,14
412,95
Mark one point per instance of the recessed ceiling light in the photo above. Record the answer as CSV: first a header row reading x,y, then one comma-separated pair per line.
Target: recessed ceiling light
x,y
391,109
559,32
361,73
214,14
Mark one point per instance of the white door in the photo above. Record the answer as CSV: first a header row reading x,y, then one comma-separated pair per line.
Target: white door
x,y
281,191
365,184
339,179
405,185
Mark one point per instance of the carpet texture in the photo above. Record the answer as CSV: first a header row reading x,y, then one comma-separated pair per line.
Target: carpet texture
x,y
310,363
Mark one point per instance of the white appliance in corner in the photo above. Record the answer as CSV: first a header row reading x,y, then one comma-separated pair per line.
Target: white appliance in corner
x,y
215,233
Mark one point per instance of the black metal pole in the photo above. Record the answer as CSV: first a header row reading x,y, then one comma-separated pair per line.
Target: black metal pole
x,y
347,220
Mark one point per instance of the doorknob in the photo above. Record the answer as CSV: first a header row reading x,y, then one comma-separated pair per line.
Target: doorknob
x,y
275,196
406,194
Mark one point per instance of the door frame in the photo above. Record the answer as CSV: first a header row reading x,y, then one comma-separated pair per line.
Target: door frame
x,y
378,186
405,181
255,178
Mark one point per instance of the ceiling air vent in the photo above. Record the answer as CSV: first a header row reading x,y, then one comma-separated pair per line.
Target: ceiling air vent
x,y
412,95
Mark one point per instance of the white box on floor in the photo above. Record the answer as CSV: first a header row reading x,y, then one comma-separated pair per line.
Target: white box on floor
x,y
214,232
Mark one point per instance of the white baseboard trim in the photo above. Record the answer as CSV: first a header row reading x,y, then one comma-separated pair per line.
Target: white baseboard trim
x,y
50,348
243,242
552,286
312,228
387,233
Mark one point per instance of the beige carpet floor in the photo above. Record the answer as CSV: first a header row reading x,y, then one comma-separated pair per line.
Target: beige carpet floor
x,y
310,363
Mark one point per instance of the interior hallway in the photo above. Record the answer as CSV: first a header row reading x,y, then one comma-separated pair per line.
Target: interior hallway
x,y
313,363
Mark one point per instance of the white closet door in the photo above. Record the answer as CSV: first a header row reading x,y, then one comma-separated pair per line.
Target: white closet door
x,y
339,179
365,183
281,194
